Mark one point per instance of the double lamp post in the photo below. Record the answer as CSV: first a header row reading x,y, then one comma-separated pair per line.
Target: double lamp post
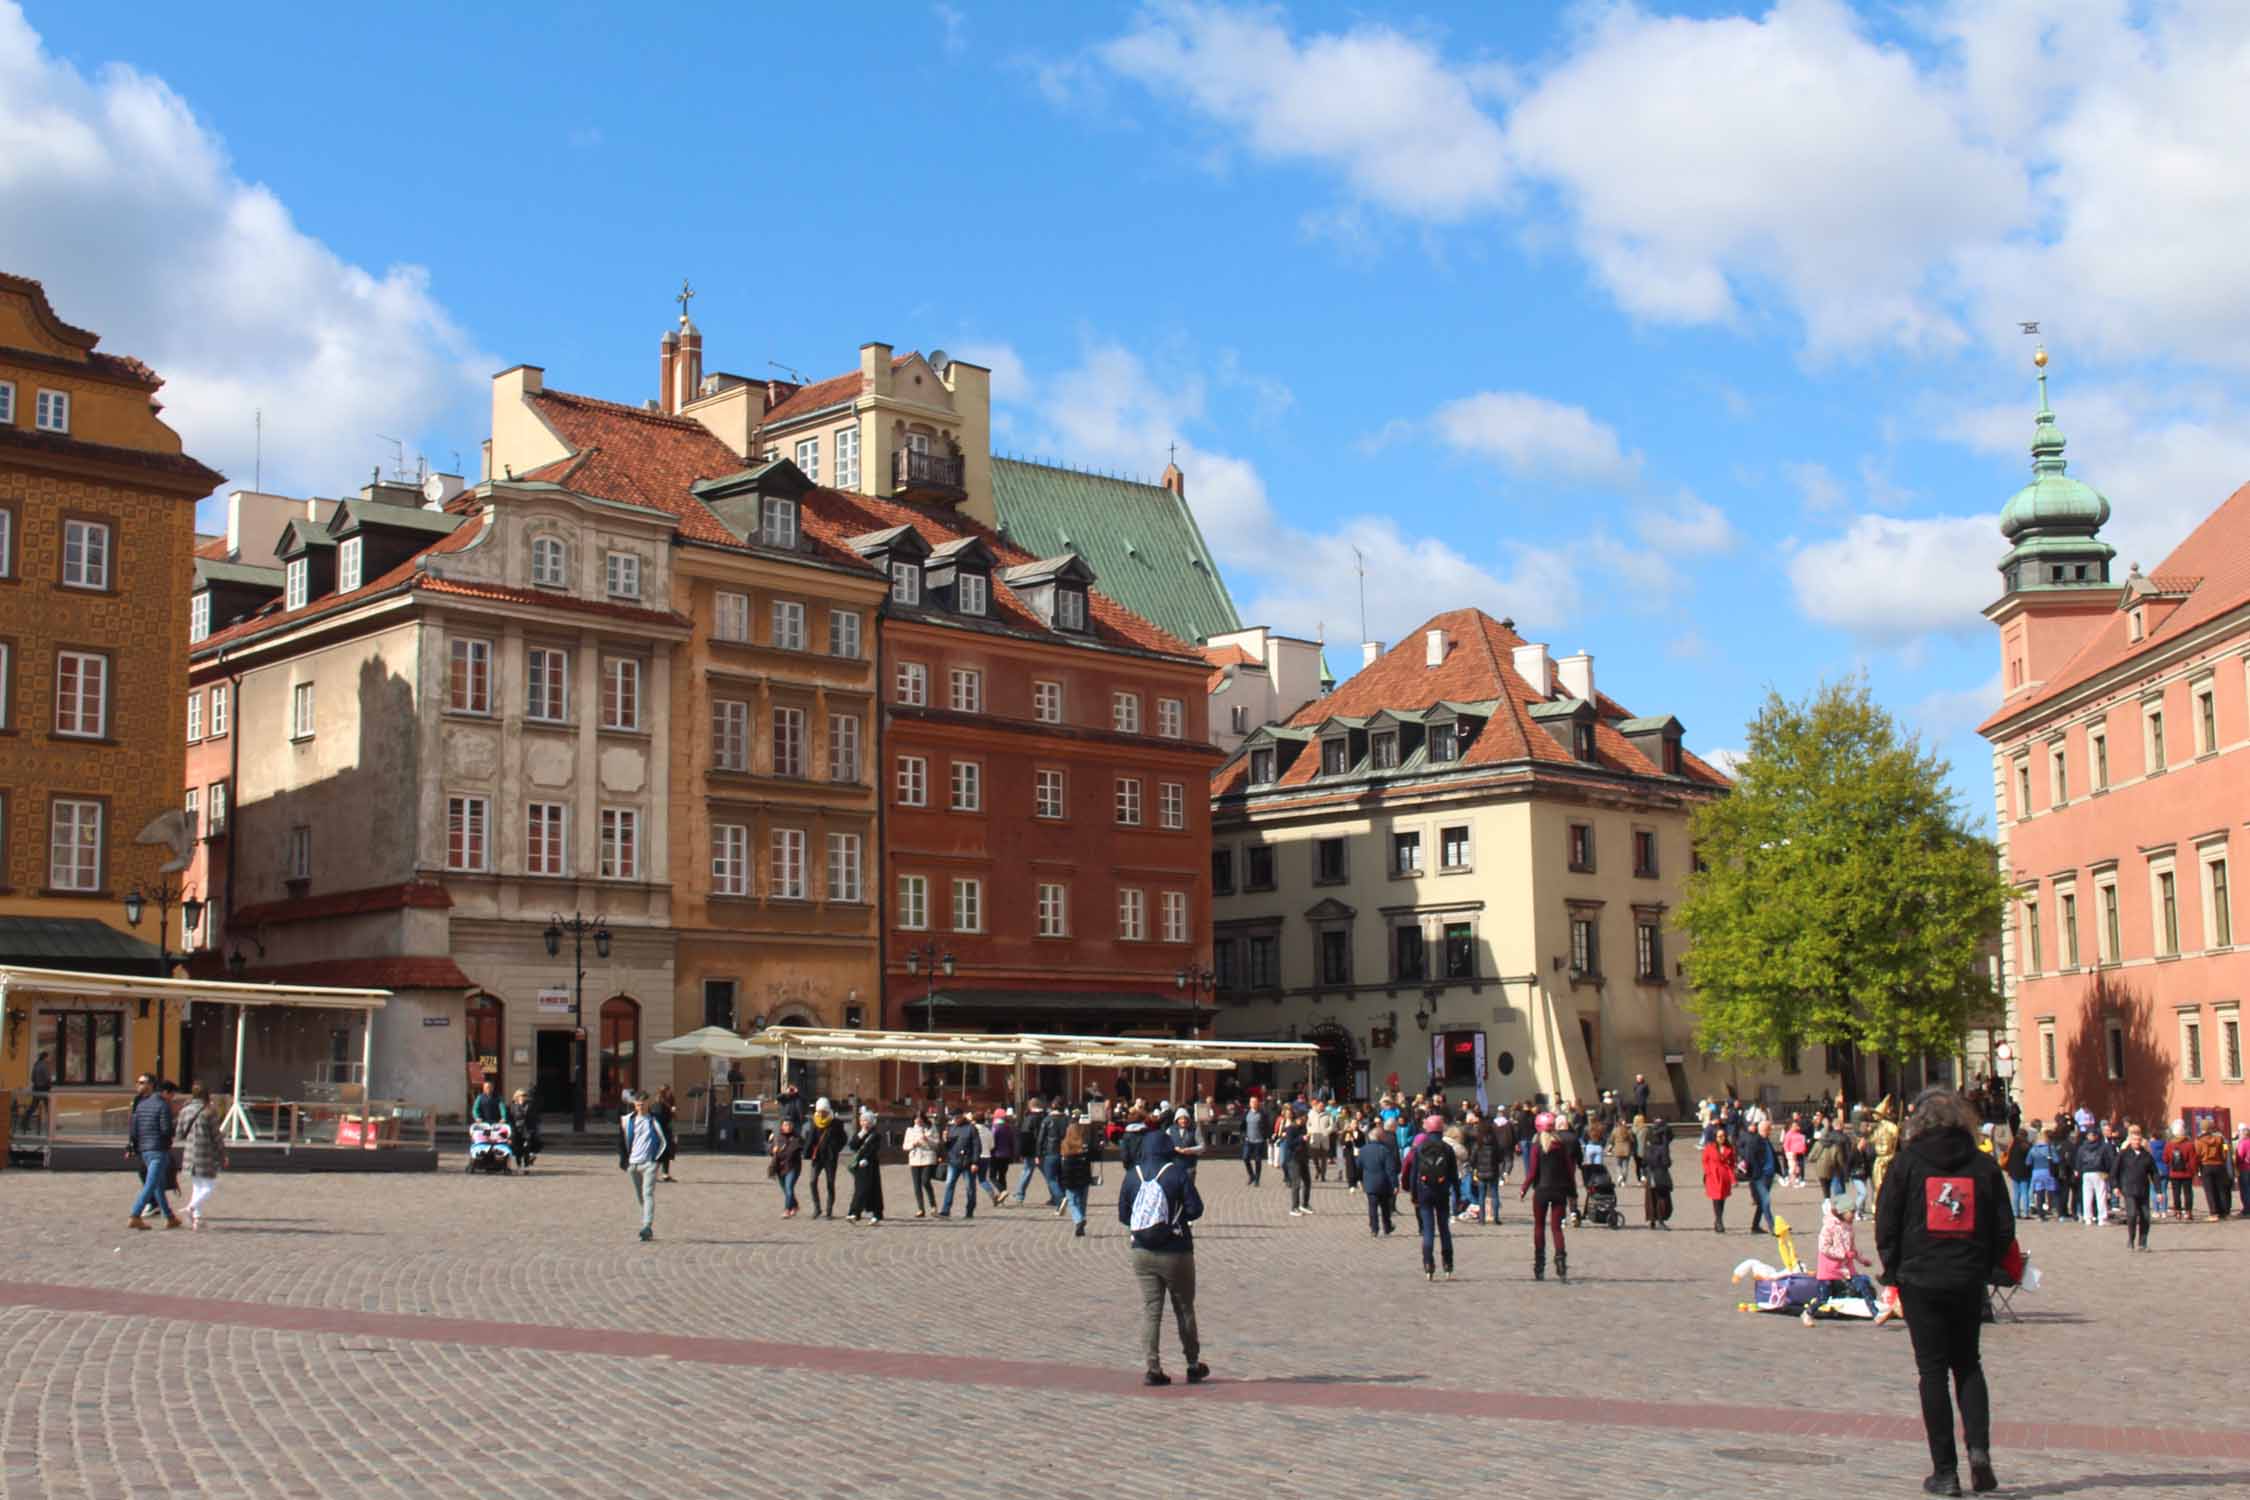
x,y
578,927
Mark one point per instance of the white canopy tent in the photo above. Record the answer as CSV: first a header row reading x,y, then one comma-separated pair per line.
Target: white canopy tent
x,y
20,989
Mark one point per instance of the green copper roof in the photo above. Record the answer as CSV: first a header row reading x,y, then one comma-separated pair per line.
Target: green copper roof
x,y
1141,540
2053,501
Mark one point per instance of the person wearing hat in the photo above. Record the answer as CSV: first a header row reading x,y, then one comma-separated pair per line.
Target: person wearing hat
x,y
1551,1181
1883,1142
865,1151
824,1148
1434,1172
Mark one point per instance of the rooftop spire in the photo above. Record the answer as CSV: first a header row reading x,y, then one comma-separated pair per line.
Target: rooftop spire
x,y
2046,437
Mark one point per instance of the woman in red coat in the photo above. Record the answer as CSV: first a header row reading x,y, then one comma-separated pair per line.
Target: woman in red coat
x,y
1718,1178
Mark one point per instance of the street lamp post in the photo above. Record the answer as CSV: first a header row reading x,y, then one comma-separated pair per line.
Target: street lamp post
x,y
1199,985
578,926
928,959
164,895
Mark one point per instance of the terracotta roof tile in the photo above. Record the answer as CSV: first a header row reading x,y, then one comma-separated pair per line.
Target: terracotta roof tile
x,y
1223,657
833,391
214,550
2212,565
414,893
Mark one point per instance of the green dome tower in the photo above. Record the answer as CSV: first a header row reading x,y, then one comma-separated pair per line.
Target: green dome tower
x,y
2052,522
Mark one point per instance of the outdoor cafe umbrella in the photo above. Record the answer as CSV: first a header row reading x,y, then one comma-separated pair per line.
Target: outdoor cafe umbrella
x,y
711,1041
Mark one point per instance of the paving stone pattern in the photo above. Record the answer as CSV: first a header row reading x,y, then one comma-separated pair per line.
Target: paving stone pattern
x,y
346,1336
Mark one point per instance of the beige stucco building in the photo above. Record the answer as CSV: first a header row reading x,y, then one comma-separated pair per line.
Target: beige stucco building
x,y
1461,866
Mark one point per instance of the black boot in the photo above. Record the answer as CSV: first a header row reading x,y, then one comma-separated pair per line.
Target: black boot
x,y
1562,1266
1538,1265
1945,1483
1981,1478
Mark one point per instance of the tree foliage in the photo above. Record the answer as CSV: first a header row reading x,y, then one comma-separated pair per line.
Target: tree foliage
x,y
1843,899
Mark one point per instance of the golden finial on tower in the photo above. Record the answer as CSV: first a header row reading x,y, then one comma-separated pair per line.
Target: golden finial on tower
x,y
2039,357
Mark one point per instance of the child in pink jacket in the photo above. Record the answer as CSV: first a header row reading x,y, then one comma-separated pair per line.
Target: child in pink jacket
x,y
1837,1263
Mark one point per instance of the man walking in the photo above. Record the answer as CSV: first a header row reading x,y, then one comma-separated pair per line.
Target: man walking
x,y
1042,1139
1760,1164
2097,1158
1378,1179
1254,1141
148,1140
1157,1203
640,1151
42,1096
963,1148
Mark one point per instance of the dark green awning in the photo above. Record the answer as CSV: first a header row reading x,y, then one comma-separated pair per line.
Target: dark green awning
x,y
79,943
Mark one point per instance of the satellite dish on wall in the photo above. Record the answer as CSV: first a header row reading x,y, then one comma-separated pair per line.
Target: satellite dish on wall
x,y
939,359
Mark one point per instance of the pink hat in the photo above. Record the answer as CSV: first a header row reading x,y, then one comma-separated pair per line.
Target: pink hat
x,y
1433,1122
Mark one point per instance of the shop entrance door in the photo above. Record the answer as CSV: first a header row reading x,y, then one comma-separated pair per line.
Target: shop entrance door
x,y
554,1071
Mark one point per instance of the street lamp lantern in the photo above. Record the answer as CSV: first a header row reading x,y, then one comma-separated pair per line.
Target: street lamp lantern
x,y
134,903
237,965
164,895
601,941
914,962
554,941
191,914
948,962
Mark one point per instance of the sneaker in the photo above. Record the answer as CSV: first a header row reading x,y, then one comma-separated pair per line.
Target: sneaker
x,y
648,1234
1158,1377
1198,1372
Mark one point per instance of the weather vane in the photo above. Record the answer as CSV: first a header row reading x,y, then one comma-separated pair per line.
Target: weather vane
x,y
686,292
2029,327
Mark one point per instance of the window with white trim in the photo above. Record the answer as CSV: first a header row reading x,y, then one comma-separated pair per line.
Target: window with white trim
x,y
1125,712
2206,719
1132,915
74,844
86,553
970,593
965,690
193,808
2047,1059
215,806
2228,1019
2153,737
621,571
1070,609
1129,801
546,839
1175,916
550,563
469,676
2058,776
2112,933
2164,902
730,859
351,556
846,441
621,692
468,822
777,522
788,625
968,904
194,717
843,633
914,902
846,868
81,695
968,786
2097,758
300,853
51,411
301,711
7,401
199,605
296,583
843,747
1171,718
730,734
788,742
911,684
1054,910
808,458
1047,797
546,684
621,844
2191,1046
219,703
1047,702
906,583
2218,902
913,781
7,537
787,873
730,616
1171,804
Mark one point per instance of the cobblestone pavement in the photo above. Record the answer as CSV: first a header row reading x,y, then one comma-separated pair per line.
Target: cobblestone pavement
x,y
377,1335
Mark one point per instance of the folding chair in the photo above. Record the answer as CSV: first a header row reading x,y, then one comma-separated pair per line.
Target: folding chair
x,y
2000,1301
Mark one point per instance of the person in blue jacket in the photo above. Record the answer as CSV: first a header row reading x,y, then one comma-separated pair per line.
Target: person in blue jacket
x,y
1378,1179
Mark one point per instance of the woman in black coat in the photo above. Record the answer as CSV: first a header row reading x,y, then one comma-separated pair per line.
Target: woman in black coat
x,y
1656,1175
865,1154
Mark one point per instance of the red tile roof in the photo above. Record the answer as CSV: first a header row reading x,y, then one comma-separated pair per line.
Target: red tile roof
x,y
1479,666
1223,657
214,550
414,893
400,972
821,394
2212,566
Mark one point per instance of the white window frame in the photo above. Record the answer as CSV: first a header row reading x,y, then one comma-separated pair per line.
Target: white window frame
x,y
730,616
621,693
296,583
1125,712
2226,1030
1127,799
964,690
2203,702
80,821
1171,718
2046,1061
2105,895
1054,909
199,604
546,690
906,583
621,575
843,633
194,717
351,558
468,834
546,839
785,868
73,703
2218,904
972,593
1047,701
847,868
2058,775
1174,910
965,786
914,903
910,684
50,411
2192,1059
7,401
2161,872
846,442
1070,609
968,903
786,625
2097,759
550,563
220,703
300,852
620,844
730,859
1171,805
215,807
89,552
843,747
303,713
468,692
730,734
806,456
1050,793
778,522
788,735
2156,755
1132,914
913,780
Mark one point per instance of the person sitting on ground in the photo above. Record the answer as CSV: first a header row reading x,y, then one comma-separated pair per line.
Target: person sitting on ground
x,y
1837,1261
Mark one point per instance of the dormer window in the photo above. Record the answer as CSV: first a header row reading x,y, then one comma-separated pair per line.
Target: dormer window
x,y
777,521
298,584
970,593
349,555
906,583
1445,744
2139,625
1335,756
199,616
1070,609
1383,748
1261,767
1582,741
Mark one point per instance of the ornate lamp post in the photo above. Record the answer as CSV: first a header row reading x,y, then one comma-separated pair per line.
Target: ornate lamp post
x,y
1198,985
578,926
926,959
164,895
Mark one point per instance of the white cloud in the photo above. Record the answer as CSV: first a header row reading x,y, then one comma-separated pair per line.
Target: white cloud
x,y
1535,437
1691,525
1725,762
125,205
1816,486
1890,579
1946,713
1010,382
1399,121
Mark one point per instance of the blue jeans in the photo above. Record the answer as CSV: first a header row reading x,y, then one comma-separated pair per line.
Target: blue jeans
x,y
953,1177
1050,1167
789,1188
1761,1193
2021,1187
1436,1225
1075,1198
1860,1192
157,1165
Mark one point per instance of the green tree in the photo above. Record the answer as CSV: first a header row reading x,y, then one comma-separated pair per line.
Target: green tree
x,y
1842,899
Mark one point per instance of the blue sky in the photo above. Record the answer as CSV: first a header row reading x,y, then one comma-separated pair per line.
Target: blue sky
x,y
1684,335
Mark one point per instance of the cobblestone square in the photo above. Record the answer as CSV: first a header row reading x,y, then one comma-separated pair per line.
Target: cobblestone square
x,y
334,1335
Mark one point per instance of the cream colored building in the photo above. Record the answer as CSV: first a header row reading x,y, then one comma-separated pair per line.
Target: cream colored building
x,y
1460,867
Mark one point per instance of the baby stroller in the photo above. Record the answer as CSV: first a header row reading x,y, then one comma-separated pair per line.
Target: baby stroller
x,y
1600,1205
491,1148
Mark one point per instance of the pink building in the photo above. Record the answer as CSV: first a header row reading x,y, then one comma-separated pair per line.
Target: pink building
x,y
2121,762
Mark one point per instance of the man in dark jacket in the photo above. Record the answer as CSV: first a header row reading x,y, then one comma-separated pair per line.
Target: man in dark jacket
x,y
1487,1154
2135,1171
963,1146
1942,1227
1640,1096
1254,1140
1760,1162
2095,1159
1164,1255
1378,1179
1040,1141
1436,1174
148,1140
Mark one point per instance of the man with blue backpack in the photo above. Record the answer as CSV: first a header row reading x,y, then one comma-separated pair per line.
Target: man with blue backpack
x,y
1157,1203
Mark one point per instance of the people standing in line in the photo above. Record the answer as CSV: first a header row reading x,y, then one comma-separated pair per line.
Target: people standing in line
x,y
1434,1170
2135,1175
1254,1140
824,1149
865,1152
785,1160
1379,1172
1163,1253
1074,1173
1759,1166
1656,1161
1551,1180
203,1147
2096,1158
2212,1163
640,1152
1941,1228
148,1140
964,1150
1718,1178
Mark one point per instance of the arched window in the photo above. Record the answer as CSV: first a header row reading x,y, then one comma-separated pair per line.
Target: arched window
x,y
621,1050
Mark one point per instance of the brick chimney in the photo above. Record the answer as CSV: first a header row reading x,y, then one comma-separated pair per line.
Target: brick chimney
x,y
1175,481
667,354
687,371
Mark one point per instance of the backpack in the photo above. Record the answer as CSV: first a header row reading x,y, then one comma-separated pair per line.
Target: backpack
x,y
1430,1163
1150,1207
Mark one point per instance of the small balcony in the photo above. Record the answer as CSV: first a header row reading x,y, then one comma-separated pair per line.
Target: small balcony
x,y
934,478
